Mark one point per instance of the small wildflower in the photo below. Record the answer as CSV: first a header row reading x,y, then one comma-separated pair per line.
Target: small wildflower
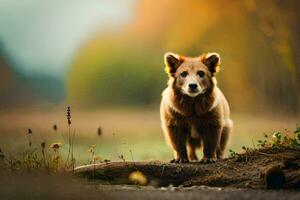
x,y
99,131
55,127
55,146
29,140
121,157
92,149
69,115
43,144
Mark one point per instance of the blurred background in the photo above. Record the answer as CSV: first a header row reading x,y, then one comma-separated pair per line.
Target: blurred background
x,y
104,58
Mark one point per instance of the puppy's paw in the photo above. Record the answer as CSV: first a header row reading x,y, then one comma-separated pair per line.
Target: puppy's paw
x,y
208,160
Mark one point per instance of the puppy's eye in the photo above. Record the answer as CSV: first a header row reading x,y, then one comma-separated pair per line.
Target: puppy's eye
x,y
201,74
183,74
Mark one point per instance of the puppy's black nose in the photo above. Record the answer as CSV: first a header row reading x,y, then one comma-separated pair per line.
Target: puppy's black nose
x,y
192,86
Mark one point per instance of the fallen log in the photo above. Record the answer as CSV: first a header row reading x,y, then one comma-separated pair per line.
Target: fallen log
x,y
256,169
157,173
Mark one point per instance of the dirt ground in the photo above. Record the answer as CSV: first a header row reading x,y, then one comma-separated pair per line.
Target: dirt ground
x,y
40,187
195,192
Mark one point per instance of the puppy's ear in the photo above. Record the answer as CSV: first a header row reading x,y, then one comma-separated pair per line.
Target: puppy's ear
x,y
212,61
172,62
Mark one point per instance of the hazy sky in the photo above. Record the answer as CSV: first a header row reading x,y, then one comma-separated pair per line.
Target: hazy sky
x,y
42,36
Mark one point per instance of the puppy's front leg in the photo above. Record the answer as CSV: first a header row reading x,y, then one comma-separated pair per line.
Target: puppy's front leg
x,y
211,139
178,138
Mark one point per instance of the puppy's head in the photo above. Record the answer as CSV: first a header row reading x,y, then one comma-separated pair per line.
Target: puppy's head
x,y
192,76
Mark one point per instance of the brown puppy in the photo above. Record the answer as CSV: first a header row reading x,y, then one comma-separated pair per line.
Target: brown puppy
x,y
194,111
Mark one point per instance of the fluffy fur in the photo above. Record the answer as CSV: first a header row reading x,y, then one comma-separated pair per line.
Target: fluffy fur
x,y
194,111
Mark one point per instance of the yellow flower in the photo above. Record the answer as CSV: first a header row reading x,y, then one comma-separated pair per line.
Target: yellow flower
x,y
138,177
55,146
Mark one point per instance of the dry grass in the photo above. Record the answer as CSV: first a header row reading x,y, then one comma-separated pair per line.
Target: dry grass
x,y
115,134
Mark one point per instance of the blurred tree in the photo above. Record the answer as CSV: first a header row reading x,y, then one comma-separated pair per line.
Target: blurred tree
x,y
258,42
